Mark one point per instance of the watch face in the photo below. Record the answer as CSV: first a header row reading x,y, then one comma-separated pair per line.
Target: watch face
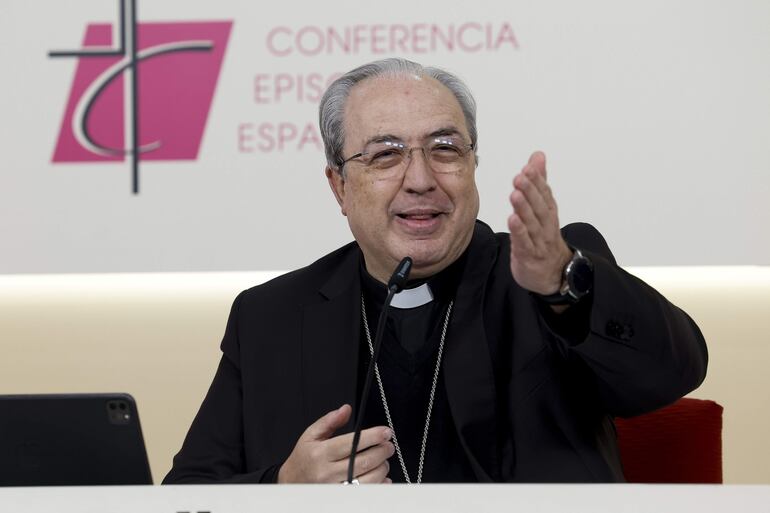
x,y
581,277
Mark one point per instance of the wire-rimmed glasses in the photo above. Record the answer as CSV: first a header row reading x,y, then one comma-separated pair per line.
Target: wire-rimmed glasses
x,y
388,159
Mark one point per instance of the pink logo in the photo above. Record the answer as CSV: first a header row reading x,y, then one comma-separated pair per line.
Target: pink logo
x,y
146,97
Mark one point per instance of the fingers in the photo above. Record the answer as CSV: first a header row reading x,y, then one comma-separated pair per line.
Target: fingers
x,y
325,427
377,475
535,222
537,161
538,249
520,238
339,446
532,198
528,206
367,461
374,458
318,457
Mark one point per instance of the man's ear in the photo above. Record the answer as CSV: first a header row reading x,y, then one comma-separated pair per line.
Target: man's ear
x,y
337,184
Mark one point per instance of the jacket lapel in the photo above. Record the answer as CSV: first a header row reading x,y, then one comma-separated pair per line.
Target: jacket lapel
x,y
330,332
330,344
469,374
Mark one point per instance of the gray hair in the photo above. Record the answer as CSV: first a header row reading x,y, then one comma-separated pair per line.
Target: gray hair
x,y
332,109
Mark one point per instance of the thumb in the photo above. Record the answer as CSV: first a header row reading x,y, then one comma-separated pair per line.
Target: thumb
x,y
325,427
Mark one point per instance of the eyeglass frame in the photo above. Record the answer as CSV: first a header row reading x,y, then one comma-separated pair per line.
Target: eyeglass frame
x,y
466,148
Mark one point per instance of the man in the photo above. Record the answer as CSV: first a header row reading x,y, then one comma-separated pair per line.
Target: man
x,y
505,360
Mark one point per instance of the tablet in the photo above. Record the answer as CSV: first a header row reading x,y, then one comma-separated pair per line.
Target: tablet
x,y
71,439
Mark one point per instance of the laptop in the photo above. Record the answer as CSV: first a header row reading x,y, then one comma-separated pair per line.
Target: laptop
x,y
71,439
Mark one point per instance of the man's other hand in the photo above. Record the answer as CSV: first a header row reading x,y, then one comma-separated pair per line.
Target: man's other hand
x,y
320,458
538,251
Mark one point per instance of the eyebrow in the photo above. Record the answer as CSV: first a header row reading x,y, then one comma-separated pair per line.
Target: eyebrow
x,y
382,138
443,131
450,130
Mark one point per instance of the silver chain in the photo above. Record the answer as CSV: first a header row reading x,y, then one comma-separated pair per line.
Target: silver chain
x,y
430,401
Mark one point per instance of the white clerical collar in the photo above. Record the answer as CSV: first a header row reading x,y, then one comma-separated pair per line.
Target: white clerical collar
x,y
412,298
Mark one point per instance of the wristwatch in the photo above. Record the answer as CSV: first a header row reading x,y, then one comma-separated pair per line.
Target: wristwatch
x,y
577,281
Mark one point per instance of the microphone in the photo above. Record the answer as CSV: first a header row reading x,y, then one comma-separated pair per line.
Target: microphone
x,y
395,285
398,280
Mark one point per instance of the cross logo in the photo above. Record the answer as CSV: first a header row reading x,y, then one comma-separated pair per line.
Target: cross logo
x,y
146,96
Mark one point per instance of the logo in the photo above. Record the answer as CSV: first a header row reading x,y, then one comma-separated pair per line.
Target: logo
x,y
143,97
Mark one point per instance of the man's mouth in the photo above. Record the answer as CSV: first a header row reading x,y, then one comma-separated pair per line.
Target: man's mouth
x,y
420,222
419,217
419,214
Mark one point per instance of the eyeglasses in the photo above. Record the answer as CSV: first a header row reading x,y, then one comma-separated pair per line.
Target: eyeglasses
x,y
390,159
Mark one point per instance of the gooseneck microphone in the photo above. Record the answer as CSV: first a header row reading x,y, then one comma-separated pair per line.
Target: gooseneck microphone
x,y
401,274
395,285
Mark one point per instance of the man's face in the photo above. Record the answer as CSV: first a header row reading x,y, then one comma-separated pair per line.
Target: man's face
x,y
426,215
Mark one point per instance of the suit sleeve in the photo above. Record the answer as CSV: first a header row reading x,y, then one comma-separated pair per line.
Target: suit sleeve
x,y
640,351
213,451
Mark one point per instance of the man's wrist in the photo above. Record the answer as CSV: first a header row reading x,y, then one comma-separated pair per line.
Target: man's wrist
x,y
577,282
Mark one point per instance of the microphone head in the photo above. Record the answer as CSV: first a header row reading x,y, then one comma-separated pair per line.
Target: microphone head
x,y
398,280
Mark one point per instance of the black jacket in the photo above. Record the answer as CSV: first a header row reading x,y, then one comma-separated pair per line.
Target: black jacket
x,y
532,394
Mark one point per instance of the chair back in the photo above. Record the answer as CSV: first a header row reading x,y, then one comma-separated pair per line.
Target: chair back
x,y
681,443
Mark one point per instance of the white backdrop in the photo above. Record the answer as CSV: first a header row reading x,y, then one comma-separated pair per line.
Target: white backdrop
x,y
655,117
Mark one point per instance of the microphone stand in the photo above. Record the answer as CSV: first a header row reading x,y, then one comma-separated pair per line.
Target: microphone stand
x,y
395,285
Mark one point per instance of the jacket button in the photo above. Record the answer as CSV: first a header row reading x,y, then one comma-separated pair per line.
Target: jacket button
x,y
627,333
613,329
619,331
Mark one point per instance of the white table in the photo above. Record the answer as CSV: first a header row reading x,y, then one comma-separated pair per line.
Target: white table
x,y
391,499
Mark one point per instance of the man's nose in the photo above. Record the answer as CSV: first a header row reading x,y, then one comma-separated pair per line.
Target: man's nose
x,y
418,175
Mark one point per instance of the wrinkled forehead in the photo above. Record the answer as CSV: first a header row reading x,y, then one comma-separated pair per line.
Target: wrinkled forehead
x,y
406,107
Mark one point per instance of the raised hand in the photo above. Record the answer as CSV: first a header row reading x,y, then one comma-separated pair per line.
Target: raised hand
x,y
320,458
538,251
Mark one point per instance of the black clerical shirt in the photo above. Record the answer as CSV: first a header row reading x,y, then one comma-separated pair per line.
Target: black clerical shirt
x,y
407,365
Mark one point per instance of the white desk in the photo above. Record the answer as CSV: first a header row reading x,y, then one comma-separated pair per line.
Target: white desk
x,y
390,499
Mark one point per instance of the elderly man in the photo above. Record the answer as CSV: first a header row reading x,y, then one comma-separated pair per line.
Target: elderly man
x,y
505,359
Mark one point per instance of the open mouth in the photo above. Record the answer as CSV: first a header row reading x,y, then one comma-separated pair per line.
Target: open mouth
x,y
419,217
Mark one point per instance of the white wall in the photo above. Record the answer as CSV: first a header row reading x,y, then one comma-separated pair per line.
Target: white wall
x,y
655,117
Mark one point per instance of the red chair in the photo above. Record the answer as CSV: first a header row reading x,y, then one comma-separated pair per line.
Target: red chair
x,y
681,443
